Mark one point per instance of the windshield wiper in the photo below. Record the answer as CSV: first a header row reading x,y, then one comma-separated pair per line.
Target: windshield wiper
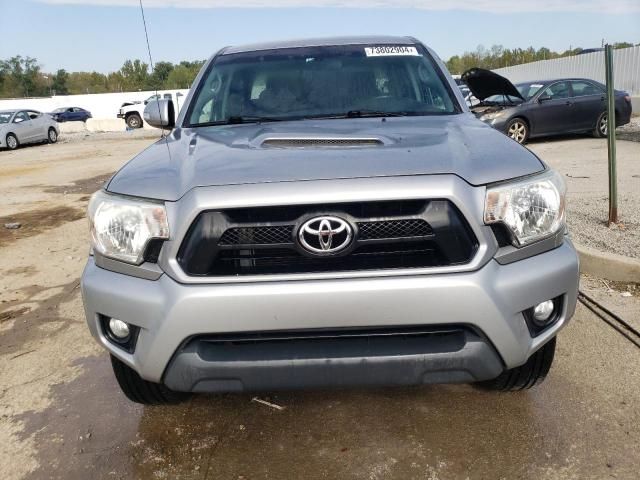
x,y
362,114
236,120
375,113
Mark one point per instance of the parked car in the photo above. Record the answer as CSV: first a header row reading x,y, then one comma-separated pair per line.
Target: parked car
x,y
131,112
543,108
70,114
19,127
327,213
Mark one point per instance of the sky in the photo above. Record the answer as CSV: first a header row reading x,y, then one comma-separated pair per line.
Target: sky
x,y
100,35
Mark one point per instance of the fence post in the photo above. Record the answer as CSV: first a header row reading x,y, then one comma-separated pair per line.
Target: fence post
x,y
611,136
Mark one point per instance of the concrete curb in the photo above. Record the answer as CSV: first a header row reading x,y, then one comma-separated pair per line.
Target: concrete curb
x,y
608,265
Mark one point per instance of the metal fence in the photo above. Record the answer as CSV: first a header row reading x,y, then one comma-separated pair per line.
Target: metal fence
x,y
626,62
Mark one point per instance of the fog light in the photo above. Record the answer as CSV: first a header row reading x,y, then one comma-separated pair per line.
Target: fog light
x,y
543,311
119,329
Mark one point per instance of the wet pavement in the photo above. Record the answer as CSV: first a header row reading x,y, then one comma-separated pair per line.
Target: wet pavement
x,y
62,416
581,423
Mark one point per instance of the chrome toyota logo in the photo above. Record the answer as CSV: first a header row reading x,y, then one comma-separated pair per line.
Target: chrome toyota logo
x,y
325,235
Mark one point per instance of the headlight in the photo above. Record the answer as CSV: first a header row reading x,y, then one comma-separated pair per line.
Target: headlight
x,y
121,227
531,209
490,116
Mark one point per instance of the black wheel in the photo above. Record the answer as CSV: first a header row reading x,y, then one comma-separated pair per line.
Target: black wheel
x,y
601,126
52,135
12,141
134,121
518,129
527,375
140,391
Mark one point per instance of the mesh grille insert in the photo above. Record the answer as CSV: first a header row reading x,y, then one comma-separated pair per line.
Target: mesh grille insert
x,y
267,235
394,229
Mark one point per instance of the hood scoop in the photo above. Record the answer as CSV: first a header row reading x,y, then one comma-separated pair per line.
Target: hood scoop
x,y
321,142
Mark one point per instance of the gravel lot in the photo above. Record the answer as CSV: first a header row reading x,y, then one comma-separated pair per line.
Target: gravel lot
x,y
583,162
63,417
630,131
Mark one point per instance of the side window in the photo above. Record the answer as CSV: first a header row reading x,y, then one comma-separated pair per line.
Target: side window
x,y
33,114
581,89
557,90
20,117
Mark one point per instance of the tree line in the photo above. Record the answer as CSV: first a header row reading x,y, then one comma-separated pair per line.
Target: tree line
x,y
23,77
497,57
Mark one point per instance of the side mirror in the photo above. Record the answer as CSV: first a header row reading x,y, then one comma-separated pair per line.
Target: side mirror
x,y
160,114
18,120
544,98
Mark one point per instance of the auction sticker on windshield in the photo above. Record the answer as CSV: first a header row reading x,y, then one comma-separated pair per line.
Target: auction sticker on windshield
x,y
390,50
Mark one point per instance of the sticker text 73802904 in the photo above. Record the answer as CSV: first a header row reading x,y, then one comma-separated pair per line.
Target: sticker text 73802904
x,y
390,50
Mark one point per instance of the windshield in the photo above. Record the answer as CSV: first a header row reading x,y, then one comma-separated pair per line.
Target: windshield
x,y
6,116
528,90
320,82
59,110
502,99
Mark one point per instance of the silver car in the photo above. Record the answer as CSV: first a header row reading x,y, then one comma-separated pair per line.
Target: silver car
x,y
327,213
19,127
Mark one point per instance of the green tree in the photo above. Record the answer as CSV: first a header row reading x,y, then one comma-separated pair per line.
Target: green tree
x,y
59,82
21,77
183,74
160,74
498,56
135,75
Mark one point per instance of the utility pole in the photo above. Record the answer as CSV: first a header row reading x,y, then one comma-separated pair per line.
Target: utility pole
x,y
611,136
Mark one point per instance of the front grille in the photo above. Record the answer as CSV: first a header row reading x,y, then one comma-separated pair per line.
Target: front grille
x,y
329,343
387,235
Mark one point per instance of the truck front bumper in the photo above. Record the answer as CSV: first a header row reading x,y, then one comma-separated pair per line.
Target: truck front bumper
x,y
457,327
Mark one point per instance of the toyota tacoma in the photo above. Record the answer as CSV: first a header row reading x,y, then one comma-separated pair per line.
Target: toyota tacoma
x,y
327,213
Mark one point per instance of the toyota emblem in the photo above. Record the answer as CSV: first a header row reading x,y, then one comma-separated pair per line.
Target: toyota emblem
x,y
325,235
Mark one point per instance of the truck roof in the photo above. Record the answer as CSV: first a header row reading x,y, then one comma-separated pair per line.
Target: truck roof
x,y
321,42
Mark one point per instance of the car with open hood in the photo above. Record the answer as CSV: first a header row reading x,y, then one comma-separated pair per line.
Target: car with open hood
x,y
544,108
327,213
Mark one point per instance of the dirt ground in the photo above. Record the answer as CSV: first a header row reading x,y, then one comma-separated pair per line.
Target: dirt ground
x,y
62,415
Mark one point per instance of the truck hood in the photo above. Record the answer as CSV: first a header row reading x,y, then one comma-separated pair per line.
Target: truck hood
x,y
321,150
485,83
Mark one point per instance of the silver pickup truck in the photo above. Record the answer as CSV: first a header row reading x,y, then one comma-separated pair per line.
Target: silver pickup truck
x,y
327,213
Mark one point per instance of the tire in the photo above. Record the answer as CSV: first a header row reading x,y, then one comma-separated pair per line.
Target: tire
x,y
52,135
12,141
518,130
134,121
600,130
525,376
141,391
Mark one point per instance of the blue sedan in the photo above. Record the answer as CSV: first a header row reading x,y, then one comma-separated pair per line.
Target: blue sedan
x,y
70,114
